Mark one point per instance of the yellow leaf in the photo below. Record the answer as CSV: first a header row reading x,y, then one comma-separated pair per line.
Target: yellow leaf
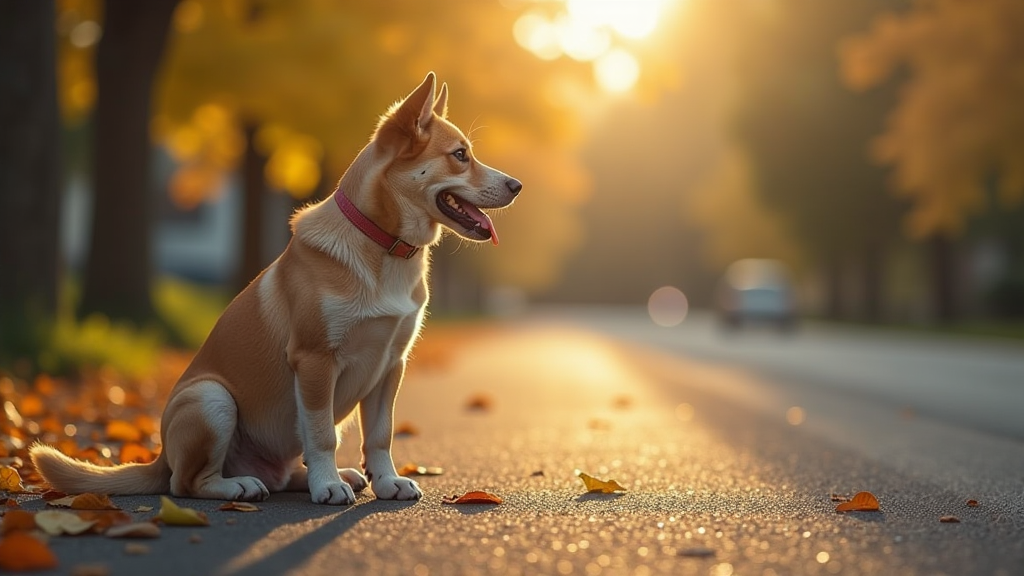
x,y
20,552
173,515
10,480
600,486
57,522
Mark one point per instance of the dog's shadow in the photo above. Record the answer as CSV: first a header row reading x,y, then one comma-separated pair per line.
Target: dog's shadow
x,y
292,555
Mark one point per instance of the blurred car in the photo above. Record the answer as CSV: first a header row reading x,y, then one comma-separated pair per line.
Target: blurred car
x,y
757,291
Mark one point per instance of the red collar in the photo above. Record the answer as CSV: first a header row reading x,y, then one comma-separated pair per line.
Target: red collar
x,y
395,246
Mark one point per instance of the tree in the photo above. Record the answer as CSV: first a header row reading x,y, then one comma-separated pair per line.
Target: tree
x,y
29,175
805,135
118,271
958,124
301,83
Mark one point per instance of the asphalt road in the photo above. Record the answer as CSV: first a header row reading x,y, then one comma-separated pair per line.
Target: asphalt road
x,y
730,450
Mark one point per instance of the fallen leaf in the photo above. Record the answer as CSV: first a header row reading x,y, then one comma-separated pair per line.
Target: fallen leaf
x,y
121,431
406,429
9,503
143,509
10,480
53,495
135,549
195,539
133,452
91,570
601,486
474,497
416,470
231,521
839,497
174,515
972,503
537,473
949,519
861,502
86,501
481,402
134,530
105,519
18,521
58,522
20,552
239,507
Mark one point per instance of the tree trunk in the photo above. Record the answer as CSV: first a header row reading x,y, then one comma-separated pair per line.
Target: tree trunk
x,y
119,267
30,182
254,191
874,262
834,289
943,265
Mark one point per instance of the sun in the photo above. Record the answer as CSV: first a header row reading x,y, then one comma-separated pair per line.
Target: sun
x,y
587,30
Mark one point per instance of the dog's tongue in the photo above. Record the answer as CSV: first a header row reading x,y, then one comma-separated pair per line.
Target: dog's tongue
x,y
482,219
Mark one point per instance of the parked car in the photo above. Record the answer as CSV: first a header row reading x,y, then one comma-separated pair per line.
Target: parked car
x,y
757,291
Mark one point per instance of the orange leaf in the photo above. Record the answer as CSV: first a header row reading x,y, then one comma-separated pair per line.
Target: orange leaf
x,y
10,480
600,486
119,430
239,507
84,502
135,452
950,520
474,497
972,503
20,552
32,406
53,495
105,519
861,502
406,429
481,402
416,470
18,520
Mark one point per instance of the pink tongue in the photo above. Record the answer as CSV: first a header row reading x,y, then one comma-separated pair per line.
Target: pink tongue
x,y
483,219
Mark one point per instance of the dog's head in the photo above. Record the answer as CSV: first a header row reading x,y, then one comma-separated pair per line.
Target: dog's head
x,y
433,167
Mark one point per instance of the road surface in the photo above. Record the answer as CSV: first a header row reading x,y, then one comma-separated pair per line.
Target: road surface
x,y
730,450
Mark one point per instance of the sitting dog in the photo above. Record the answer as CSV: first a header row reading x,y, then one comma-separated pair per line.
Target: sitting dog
x,y
325,328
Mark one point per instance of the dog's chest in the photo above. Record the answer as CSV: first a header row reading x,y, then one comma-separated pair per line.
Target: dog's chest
x,y
370,317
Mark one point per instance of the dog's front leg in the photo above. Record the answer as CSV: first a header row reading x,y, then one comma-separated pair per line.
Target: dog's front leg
x,y
315,377
376,417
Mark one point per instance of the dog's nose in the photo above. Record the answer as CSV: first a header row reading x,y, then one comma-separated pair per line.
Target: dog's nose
x,y
514,185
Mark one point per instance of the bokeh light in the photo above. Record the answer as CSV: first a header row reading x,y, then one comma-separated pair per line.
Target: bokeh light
x,y
617,71
668,306
796,416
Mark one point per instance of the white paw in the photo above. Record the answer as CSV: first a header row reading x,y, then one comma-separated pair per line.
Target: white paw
x,y
249,489
354,478
396,488
333,493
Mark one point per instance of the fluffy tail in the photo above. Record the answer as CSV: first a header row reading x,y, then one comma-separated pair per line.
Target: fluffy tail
x,y
77,477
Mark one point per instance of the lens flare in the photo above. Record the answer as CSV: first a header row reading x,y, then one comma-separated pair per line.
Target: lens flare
x,y
668,306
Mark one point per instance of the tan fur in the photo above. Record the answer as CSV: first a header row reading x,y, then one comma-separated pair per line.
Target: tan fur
x,y
326,328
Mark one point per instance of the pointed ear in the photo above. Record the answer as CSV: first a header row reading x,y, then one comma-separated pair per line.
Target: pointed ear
x,y
418,107
441,104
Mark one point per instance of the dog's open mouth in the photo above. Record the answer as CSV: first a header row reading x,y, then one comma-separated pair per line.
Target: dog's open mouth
x,y
477,224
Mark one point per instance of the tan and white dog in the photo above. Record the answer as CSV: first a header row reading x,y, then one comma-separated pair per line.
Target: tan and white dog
x,y
325,328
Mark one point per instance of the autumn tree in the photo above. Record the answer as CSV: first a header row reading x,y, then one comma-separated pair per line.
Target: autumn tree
x,y
302,83
957,131
118,271
29,175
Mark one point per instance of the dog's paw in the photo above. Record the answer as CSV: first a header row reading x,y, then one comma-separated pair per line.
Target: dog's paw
x,y
333,493
354,478
238,488
396,488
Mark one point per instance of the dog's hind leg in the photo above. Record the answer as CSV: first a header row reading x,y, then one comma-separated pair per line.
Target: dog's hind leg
x,y
201,423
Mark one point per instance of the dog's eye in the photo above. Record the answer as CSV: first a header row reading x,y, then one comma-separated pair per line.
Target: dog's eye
x,y
461,155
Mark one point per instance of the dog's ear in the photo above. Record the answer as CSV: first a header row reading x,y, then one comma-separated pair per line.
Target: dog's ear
x,y
412,115
441,104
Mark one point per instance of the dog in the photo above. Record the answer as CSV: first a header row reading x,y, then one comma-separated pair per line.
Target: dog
x,y
327,327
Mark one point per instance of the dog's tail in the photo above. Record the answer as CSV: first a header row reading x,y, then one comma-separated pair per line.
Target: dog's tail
x,y
77,477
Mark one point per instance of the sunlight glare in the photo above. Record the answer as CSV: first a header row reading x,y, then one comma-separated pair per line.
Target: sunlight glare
x,y
617,71
537,34
630,18
580,41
